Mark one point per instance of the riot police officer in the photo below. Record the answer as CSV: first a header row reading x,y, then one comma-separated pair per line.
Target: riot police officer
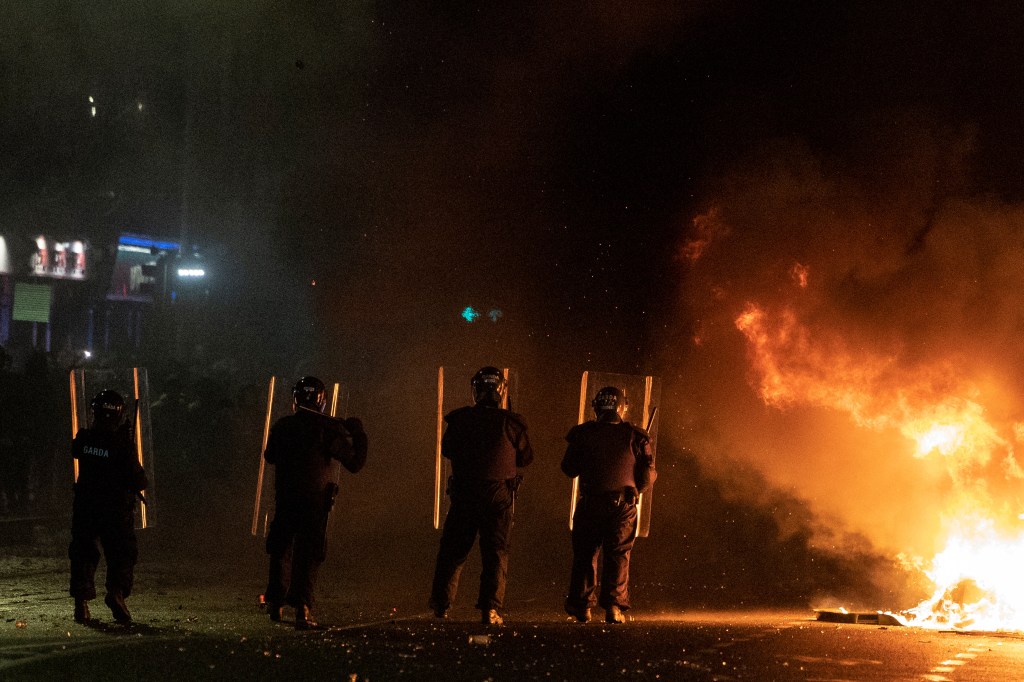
x,y
615,463
302,446
486,444
110,478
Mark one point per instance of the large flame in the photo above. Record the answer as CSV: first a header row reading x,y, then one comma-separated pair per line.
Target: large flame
x,y
941,413
978,583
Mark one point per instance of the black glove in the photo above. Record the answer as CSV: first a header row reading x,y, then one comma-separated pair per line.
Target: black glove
x,y
360,443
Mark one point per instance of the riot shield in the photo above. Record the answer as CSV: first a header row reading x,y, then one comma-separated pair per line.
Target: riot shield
x,y
644,394
279,404
133,385
453,392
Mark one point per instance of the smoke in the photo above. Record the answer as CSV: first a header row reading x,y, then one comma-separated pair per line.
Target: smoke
x,y
842,302
374,168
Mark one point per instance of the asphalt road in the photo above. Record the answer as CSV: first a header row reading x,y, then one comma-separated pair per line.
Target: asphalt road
x,y
216,631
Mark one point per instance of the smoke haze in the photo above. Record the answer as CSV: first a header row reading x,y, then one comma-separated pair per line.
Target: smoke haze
x,y
622,186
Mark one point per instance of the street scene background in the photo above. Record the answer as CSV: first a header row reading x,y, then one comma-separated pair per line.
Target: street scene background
x,y
805,221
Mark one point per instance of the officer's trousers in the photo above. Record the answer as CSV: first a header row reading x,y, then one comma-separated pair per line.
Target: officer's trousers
x,y
297,547
602,523
111,523
483,507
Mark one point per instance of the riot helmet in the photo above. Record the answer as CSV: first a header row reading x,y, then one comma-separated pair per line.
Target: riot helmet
x,y
309,392
488,385
610,403
107,408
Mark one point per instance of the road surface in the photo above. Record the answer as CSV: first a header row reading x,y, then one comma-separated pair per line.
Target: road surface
x,y
192,625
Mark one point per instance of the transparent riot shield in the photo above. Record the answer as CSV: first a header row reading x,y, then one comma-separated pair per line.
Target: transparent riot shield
x,y
644,394
279,404
133,385
453,392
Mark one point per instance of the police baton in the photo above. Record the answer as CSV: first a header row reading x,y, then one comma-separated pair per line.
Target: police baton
x,y
650,422
340,422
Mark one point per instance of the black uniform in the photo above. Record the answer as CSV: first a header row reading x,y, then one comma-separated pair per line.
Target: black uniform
x,y
109,476
615,463
302,448
486,445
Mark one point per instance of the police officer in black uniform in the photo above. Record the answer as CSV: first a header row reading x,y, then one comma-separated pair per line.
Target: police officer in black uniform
x,y
486,444
615,463
301,446
110,478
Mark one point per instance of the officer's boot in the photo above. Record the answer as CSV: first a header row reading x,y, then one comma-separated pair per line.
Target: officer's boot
x,y
82,611
491,617
272,608
115,601
304,619
614,615
580,614
439,610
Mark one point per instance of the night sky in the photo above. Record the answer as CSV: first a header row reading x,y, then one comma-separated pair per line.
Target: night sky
x,y
362,172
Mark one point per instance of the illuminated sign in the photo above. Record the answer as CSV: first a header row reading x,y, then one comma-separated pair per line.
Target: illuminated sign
x,y
31,302
59,259
146,243
471,314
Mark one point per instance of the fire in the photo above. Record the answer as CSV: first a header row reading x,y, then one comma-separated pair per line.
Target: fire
x,y
942,414
944,438
978,579
800,274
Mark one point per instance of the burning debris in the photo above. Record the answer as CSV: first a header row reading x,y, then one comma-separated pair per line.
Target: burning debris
x,y
884,349
955,606
977,582
866,618
939,415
